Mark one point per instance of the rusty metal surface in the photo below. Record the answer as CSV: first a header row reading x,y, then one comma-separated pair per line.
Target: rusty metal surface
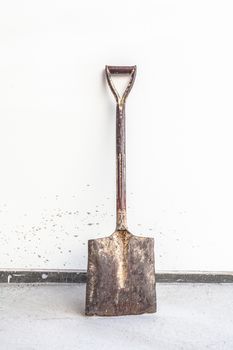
x,y
121,275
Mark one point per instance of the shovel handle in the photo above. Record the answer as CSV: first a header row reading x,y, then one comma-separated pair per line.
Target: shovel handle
x,y
120,70
121,223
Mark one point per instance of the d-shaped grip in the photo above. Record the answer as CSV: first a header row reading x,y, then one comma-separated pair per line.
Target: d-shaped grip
x,y
114,70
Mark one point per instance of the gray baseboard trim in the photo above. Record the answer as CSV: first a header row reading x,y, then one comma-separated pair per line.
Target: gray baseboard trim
x,y
79,276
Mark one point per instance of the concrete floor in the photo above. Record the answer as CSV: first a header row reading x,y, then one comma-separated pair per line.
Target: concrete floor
x,y
190,316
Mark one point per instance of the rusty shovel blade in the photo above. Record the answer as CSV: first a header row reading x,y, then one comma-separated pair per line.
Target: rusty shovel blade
x,y
121,275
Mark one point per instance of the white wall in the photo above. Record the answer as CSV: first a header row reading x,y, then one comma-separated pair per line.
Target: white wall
x,y
57,136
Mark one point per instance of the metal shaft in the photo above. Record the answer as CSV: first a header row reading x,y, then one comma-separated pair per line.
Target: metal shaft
x,y
121,223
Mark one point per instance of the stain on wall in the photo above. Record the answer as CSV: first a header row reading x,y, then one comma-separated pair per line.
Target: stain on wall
x,y
56,235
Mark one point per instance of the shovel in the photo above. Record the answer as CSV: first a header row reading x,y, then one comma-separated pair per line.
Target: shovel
x,y
120,275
